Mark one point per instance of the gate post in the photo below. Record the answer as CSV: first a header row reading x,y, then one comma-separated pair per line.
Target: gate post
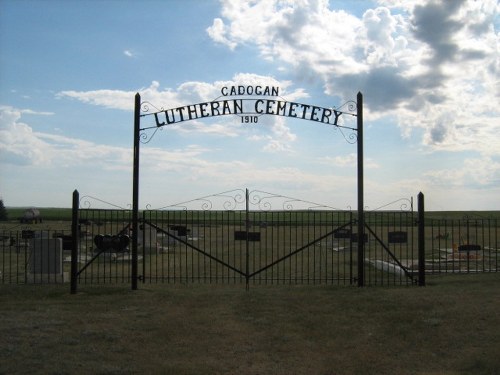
x,y
421,240
247,244
135,193
361,217
74,241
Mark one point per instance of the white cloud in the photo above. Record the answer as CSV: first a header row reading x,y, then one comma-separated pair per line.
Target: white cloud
x,y
217,31
18,143
279,136
349,161
207,176
37,113
117,99
21,145
429,64
483,172
186,93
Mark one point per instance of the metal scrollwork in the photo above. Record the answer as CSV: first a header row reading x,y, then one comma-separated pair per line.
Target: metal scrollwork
x,y
148,109
233,200
145,108
351,138
264,202
227,200
145,138
405,204
256,199
85,202
351,107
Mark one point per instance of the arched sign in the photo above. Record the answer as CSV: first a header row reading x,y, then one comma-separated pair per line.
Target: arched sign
x,y
249,102
244,107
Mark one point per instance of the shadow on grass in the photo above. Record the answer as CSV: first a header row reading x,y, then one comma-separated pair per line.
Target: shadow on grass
x,y
450,327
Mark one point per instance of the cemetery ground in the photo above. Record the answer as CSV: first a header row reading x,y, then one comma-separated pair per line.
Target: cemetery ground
x,y
451,326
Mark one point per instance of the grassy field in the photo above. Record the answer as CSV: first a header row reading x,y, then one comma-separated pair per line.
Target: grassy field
x,y
452,326
49,213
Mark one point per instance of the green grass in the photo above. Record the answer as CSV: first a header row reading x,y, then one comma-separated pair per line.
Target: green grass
x,y
301,217
47,213
451,326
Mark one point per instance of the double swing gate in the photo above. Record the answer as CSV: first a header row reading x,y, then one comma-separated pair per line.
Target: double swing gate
x,y
255,238
250,247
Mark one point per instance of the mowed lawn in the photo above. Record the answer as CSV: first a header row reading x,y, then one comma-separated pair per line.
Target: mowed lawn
x,y
451,326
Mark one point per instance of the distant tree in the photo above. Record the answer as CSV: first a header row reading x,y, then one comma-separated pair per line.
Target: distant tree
x,y
3,211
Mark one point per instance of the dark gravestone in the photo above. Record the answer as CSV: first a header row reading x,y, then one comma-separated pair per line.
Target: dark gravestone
x,y
242,236
354,237
67,241
46,256
469,248
182,231
342,233
398,237
112,243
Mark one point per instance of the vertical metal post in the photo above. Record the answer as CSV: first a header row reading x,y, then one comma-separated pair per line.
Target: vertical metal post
x,y
351,280
361,217
421,240
135,192
247,229
74,241
144,247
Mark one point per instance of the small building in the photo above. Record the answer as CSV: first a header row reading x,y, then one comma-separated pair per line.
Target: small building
x,y
31,216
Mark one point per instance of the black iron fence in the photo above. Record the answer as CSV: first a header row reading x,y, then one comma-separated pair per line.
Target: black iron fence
x,y
301,246
35,256
470,244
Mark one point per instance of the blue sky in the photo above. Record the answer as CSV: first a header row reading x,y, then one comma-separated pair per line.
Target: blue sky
x,y
429,72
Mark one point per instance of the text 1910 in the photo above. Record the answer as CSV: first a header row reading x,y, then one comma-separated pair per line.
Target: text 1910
x,y
249,119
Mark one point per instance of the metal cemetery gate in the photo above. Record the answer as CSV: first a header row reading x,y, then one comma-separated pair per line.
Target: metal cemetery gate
x,y
251,247
271,240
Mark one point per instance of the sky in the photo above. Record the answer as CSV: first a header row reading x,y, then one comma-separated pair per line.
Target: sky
x,y
428,71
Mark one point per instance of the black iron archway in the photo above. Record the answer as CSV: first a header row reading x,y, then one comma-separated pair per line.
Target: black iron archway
x,y
249,109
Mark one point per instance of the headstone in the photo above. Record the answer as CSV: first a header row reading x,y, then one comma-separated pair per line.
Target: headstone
x,y
342,233
182,230
398,237
46,256
109,243
67,241
147,237
469,247
243,236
